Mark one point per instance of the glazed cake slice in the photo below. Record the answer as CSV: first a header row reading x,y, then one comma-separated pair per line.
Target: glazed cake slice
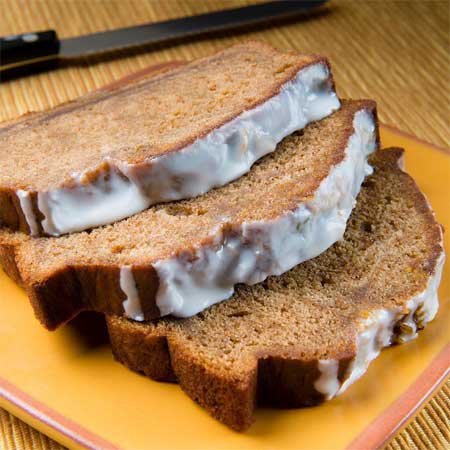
x,y
111,155
306,336
182,257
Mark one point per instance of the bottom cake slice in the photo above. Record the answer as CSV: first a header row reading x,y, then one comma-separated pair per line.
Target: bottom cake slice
x,y
304,337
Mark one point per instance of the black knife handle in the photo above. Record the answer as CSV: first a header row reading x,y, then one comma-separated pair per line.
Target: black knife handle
x,y
29,48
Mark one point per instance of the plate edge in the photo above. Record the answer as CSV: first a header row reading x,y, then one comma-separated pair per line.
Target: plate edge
x,y
386,424
413,137
54,420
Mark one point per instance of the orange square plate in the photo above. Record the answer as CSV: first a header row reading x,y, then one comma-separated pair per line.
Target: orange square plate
x,y
67,385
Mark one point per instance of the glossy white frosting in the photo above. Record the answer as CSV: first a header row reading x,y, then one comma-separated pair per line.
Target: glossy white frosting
x,y
377,332
132,304
220,157
189,283
27,208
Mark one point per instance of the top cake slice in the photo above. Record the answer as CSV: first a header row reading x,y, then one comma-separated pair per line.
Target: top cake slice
x,y
110,155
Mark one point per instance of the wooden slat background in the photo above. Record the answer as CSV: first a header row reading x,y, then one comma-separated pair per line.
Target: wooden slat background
x,y
395,52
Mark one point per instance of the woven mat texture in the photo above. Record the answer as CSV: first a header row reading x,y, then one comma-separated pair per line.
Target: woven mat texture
x,y
395,52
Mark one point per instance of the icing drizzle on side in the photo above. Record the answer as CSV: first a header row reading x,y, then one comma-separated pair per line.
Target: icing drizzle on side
x,y
377,332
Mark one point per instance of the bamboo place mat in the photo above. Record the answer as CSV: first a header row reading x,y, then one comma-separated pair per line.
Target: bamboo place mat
x,y
394,52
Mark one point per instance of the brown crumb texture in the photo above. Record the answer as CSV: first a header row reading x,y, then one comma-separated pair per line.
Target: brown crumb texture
x,y
135,124
86,265
262,345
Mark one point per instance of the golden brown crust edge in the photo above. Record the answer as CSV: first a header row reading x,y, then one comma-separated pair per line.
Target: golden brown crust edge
x,y
96,287
8,262
278,379
11,214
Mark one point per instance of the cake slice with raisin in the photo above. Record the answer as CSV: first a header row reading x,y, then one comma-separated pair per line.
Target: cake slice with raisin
x,y
305,336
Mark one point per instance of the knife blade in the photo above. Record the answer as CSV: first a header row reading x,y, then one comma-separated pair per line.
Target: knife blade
x,y
32,49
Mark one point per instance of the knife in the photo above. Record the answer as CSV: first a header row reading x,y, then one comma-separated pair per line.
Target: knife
x,y
30,51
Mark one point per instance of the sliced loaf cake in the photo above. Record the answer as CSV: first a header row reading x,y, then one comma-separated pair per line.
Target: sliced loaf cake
x,y
180,258
304,337
112,154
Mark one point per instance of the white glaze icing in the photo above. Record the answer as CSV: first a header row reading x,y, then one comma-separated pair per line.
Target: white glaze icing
x,y
132,304
27,209
377,332
328,382
190,283
220,157
92,204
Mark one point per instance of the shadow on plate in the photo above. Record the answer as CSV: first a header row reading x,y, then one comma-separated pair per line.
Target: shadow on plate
x,y
89,329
